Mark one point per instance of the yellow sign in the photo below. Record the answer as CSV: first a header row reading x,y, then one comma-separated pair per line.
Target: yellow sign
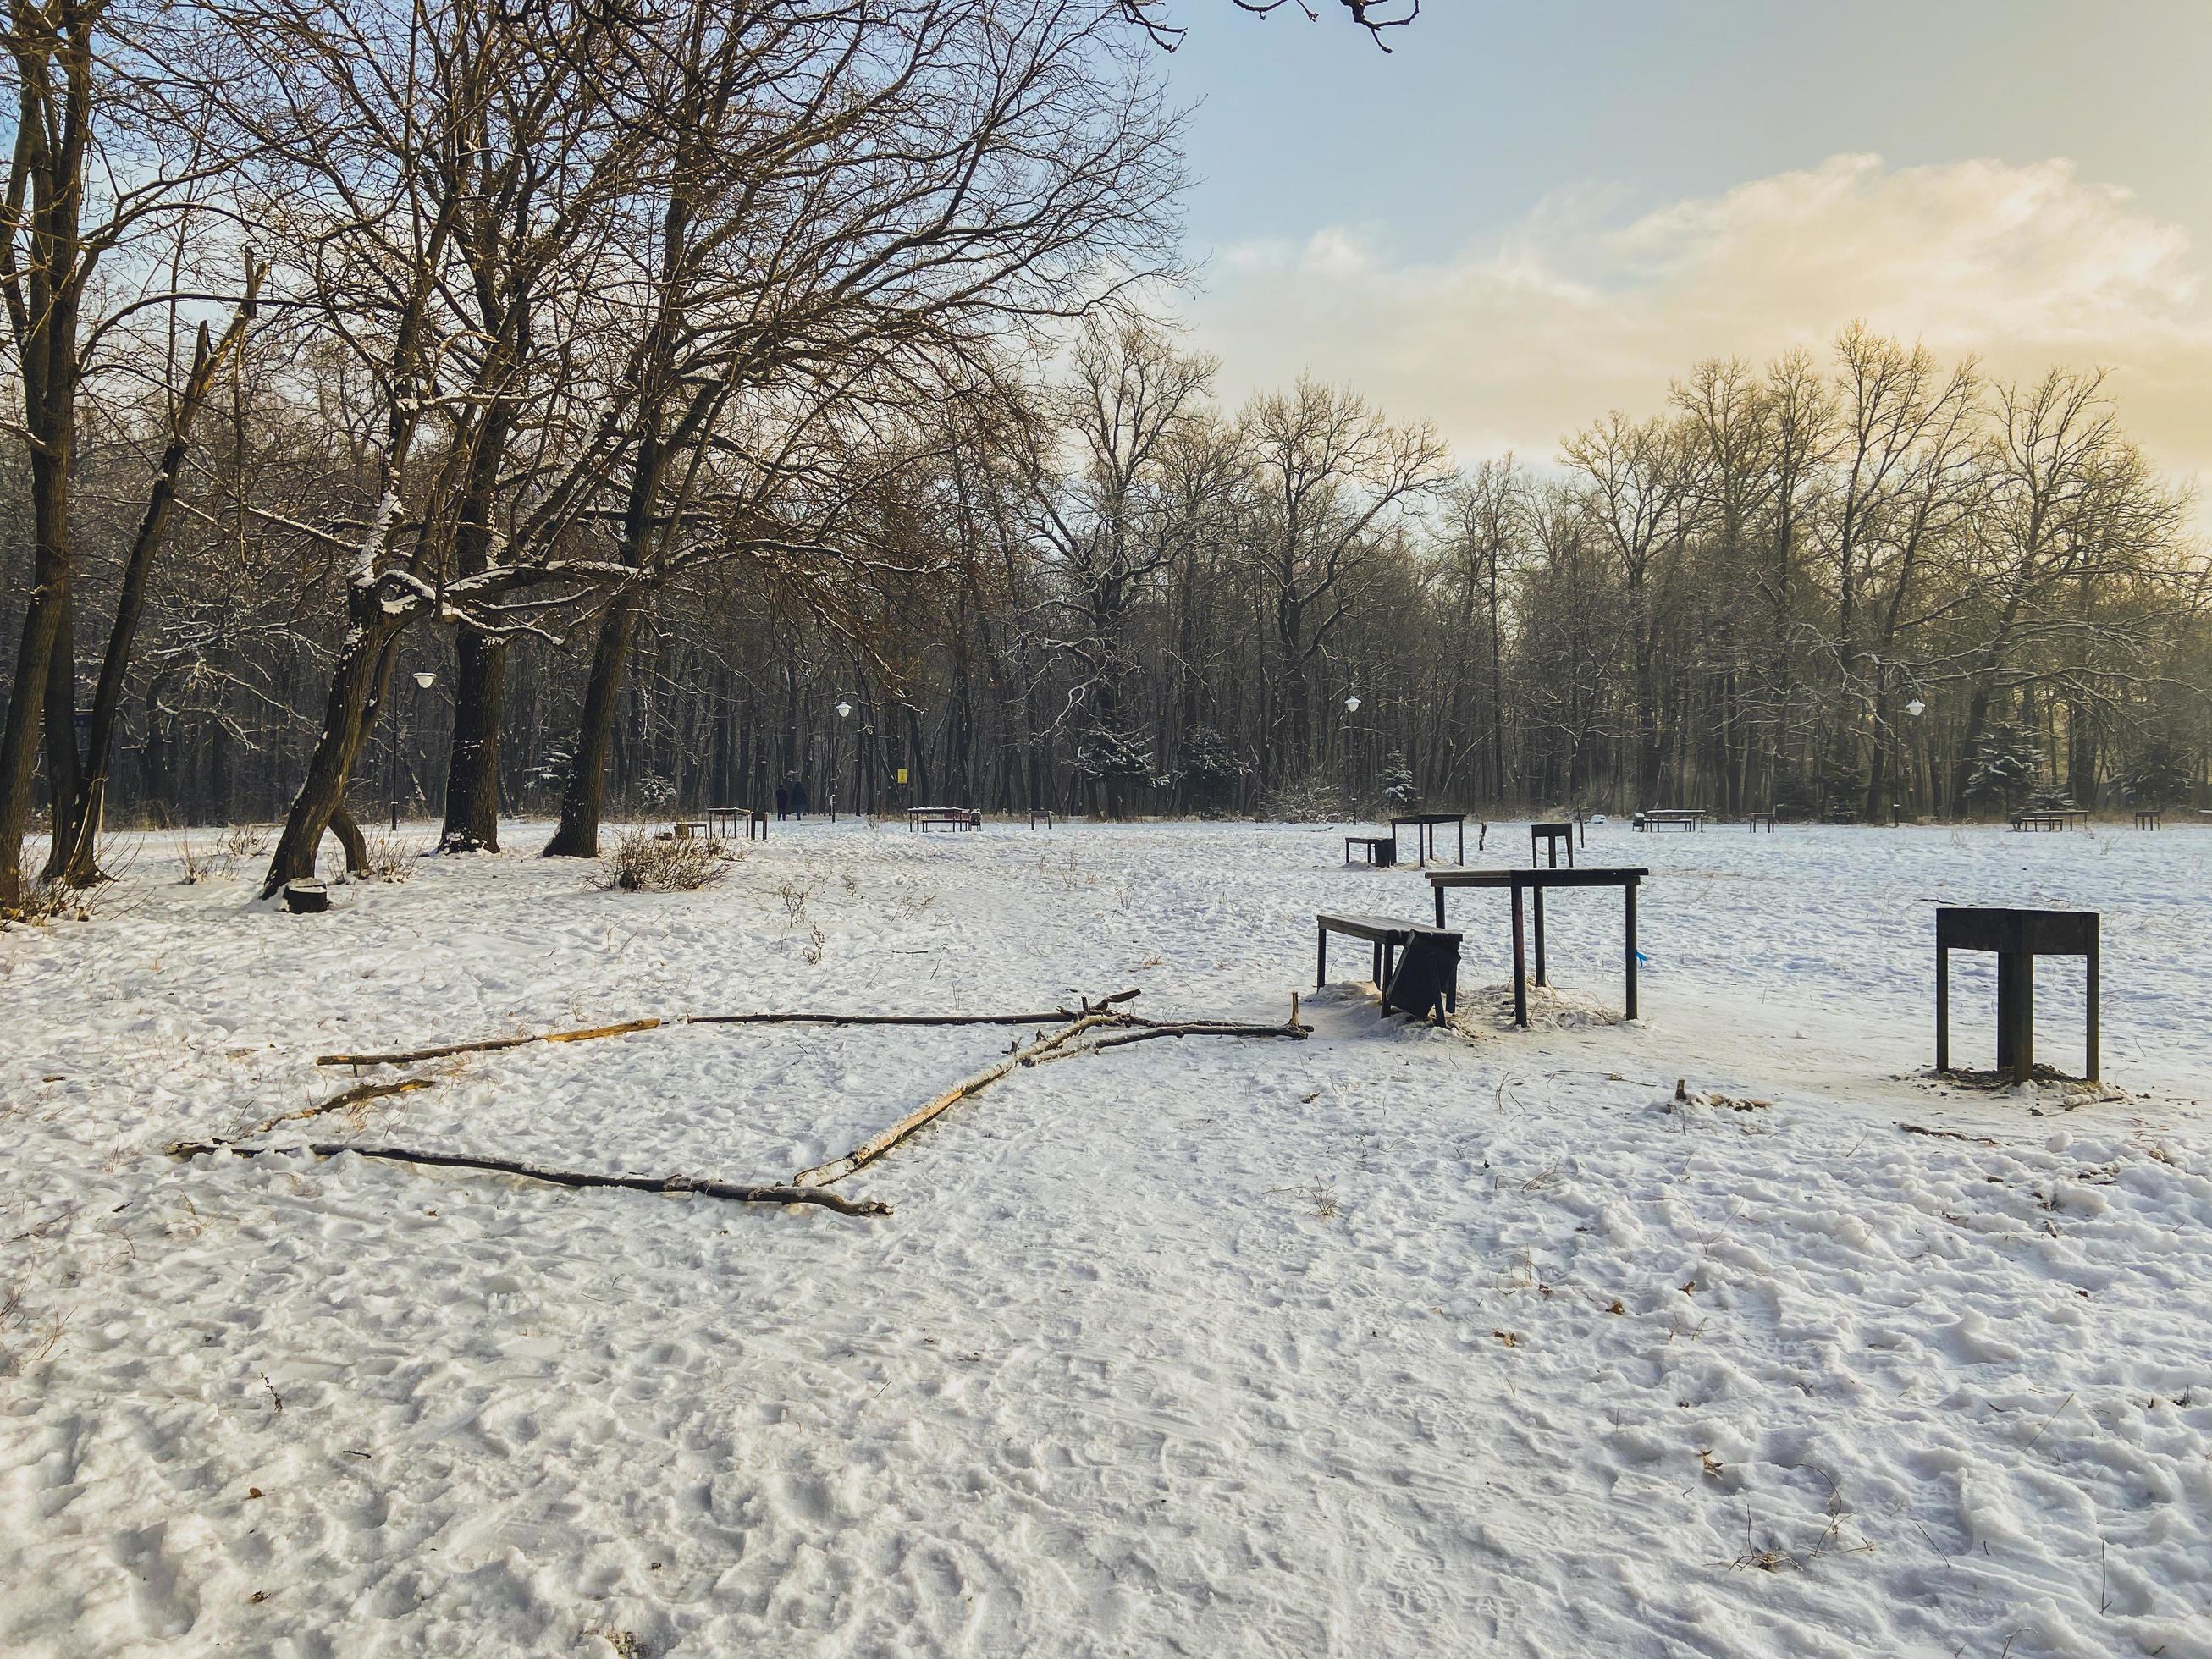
x,y
902,774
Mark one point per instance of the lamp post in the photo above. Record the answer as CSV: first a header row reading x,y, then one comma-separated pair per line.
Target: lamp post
x,y
1350,707
836,746
424,680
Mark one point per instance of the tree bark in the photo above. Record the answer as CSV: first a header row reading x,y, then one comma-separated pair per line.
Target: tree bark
x,y
578,835
43,620
359,683
472,766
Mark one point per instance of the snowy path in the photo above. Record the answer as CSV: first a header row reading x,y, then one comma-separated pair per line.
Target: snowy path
x,y
1563,1370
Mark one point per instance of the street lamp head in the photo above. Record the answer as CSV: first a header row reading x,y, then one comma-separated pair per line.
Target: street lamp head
x,y
1916,708
426,680
1352,703
844,709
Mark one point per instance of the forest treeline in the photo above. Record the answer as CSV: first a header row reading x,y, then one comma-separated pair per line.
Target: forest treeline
x,y
577,409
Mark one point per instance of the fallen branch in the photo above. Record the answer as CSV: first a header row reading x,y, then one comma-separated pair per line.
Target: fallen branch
x,y
678,1184
910,1019
344,1098
1148,1029
1945,1134
873,1148
487,1045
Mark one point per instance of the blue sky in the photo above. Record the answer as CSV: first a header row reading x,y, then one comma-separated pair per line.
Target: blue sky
x,y
2027,180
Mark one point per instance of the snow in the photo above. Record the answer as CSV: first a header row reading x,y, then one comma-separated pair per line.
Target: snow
x,y
1394,1341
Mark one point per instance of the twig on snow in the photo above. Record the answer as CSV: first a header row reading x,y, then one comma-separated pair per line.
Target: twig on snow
x,y
874,1147
677,1184
487,1045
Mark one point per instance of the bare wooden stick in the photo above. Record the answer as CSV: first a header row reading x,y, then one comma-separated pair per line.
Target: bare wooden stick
x,y
487,1045
722,1190
881,1019
1146,1032
911,1019
492,1045
344,1098
874,1147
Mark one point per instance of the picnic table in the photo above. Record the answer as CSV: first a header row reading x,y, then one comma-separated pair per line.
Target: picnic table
x,y
685,829
722,820
2052,818
960,818
1538,881
1682,818
1755,819
2017,937
1425,832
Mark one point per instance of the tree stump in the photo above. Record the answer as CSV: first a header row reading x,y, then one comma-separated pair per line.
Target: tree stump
x,y
306,898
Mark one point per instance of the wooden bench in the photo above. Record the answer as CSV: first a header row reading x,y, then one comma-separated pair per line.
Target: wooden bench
x,y
1755,819
2147,817
1415,967
723,820
1678,817
960,817
2046,820
1036,812
1381,850
690,830
1551,835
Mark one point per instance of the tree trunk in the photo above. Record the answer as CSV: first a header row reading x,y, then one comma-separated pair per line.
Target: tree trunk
x,y
578,835
358,686
43,620
65,765
472,765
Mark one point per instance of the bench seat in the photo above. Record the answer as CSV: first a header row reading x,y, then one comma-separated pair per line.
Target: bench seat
x,y
1415,966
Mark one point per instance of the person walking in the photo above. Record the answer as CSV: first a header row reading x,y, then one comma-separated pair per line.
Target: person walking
x,y
799,798
782,803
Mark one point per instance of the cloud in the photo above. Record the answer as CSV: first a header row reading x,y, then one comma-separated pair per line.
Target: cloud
x,y
1578,308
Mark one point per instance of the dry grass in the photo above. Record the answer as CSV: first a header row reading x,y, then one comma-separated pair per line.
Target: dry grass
x,y
641,862
391,859
794,895
218,856
45,901
1320,1196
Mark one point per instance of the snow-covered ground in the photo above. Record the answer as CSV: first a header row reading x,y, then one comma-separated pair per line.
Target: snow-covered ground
x,y
1393,1342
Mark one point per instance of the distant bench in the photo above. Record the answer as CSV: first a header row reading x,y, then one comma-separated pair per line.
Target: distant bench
x,y
1382,851
1676,817
2052,818
1416,967
960,818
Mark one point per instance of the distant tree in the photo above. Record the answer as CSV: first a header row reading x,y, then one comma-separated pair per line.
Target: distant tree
x,y
2006,765
2159,775
1397,783
1210,769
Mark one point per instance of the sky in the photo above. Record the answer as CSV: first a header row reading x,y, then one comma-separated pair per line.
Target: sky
x,y
1530,213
